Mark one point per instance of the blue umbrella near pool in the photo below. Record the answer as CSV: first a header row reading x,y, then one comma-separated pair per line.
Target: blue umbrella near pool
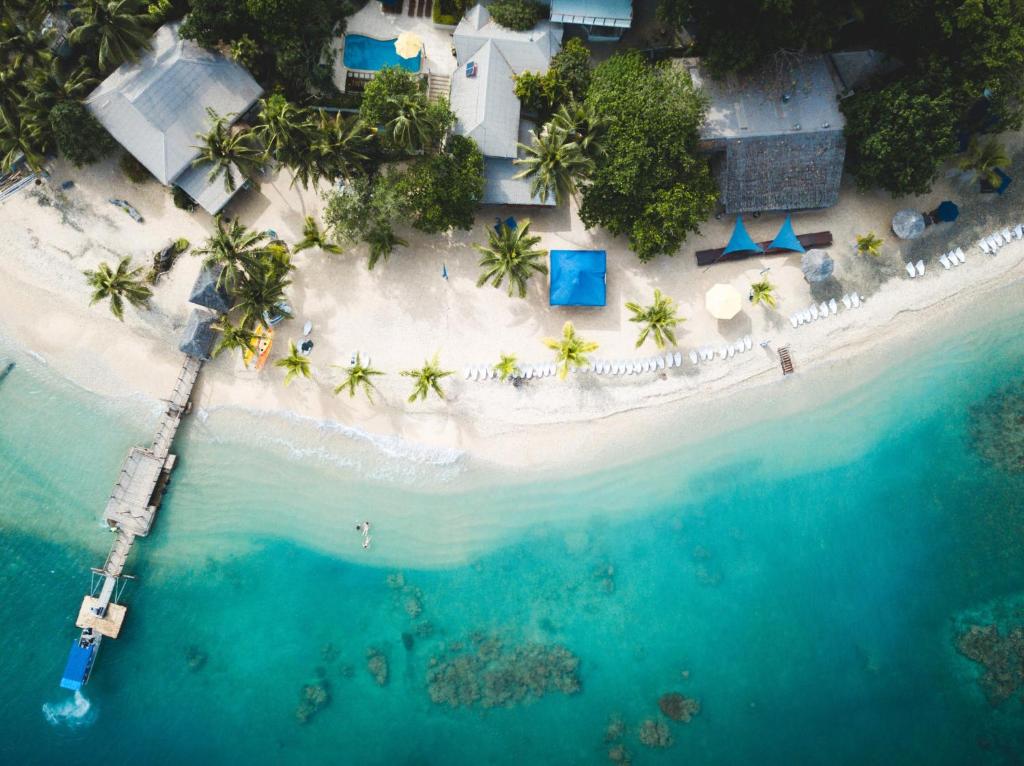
x,y
947,212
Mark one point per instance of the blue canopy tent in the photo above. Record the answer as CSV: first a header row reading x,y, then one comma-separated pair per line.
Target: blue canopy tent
x,y
578,277
786,239
740,241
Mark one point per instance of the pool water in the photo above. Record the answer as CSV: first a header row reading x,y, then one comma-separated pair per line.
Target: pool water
x,y
372,55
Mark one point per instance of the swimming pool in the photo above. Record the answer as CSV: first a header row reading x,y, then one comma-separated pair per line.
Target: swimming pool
x,y
372,55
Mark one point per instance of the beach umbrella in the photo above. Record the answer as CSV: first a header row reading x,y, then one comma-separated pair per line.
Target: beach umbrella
x,y
907,224
723,301
408,45
817,265
947,211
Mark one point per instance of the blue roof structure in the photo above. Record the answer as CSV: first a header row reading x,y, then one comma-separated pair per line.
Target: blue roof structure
x,y
786,238
740,241
76,672
578,277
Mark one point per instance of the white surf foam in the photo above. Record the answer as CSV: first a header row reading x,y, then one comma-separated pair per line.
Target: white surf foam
x,y
73,712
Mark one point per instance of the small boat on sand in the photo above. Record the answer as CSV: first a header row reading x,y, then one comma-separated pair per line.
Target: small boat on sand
x,y
259,347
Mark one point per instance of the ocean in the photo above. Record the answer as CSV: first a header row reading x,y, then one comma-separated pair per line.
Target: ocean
x,y
806,587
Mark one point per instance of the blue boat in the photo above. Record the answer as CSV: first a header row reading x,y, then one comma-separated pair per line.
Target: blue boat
x,y
79,665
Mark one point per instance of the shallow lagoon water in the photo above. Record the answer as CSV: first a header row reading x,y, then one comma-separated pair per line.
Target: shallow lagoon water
x,y
808,602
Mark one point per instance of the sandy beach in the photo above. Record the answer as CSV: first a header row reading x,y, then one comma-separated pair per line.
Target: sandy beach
x,y
404,311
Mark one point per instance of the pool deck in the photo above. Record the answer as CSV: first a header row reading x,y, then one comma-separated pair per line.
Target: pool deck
x,y
372,22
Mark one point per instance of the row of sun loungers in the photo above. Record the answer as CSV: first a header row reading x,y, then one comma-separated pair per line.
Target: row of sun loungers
x,y
990,245
952,258
707,353
824,309
635,366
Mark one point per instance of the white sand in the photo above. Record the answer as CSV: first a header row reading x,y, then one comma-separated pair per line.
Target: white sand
x,y
403,311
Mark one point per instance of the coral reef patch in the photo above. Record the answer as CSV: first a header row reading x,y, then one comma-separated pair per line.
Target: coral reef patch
x,y
1002,656
377,665
677,707
996,430
313,699
655,733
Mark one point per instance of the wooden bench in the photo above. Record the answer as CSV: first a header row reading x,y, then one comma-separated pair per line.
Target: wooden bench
x,y
710,257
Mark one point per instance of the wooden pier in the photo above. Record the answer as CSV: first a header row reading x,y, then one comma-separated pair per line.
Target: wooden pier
x,y
786,361
131,509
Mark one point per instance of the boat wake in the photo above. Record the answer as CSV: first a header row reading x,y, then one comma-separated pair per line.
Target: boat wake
x,y
73,712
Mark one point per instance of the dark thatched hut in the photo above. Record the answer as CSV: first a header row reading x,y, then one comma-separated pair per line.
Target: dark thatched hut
x,y
199,335
207,293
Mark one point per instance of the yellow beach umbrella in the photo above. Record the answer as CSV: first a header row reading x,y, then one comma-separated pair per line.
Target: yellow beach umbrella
x,y
408,45
723,301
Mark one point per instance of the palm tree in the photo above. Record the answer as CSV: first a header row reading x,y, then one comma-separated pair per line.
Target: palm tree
x,y
294,364
284,129
763,292
50,85
555,163
232,337
510,253
313,237
262,292
868,244
122,28
22,133
570,350
413,127
659,320
427,379
234,249
358,375
506,366
226,149
984,159
382,241
582,125
120,285
339,149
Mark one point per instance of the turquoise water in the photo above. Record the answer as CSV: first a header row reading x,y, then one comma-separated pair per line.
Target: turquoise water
x,y
372,55
805,589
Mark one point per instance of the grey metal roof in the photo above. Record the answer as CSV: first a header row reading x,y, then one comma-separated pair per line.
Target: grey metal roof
x,y
211,195
156,106
604,13
502,188
207,294
198,337
530,50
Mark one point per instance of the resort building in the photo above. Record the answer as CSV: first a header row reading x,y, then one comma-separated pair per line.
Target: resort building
x,y
156,108
484,100
776,137
598,19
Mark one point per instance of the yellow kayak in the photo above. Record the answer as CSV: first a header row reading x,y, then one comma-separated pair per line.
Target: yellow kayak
x,y
259,347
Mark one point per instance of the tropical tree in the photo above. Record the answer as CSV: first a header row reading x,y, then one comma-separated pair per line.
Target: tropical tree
x,y
554,163
119,285
23,134
868,244
312,236
232,337
50,85
382,241
339,149
570,350
510,253
659,320
284,130
426,379
226,149
262,291
294,364
412,128
984,159
234,249
358,375
763,292
506,366
582,125
118,29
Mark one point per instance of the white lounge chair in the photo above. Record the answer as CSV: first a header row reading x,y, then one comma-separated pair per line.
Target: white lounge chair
x,y
677,357
985,246
832,307
467,372
806,316
823,309
694,358
910,270
944,261
960,255
1007,236
995,242
723,353
846,301
730,352
738,345
660,361
1018,231
748,343
793,320
855,300
920,268
670,361
814,312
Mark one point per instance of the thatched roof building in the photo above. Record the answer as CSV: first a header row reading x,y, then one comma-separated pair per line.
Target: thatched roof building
x,y
199,335
206,292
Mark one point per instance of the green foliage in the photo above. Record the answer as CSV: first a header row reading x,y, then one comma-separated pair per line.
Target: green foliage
x,y
366,212
246,52
79,137
984,158
134,170
395,105
898,137
232,337
294,365
869,244
426,379
510,253
519,15
313,237
181,199
119,285
116,30
567,79
383,94
659,320
554,163
570,350
652,184
443,191
506,366
226,149
448,11
358,376
763,292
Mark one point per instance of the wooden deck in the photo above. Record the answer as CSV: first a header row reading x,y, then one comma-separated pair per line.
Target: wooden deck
x,y
711,257
109,625
786,361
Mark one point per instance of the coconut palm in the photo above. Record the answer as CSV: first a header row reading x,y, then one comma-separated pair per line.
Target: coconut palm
x,y
506,366
554,162
382,241
763,292
294,364
358,376
232,337
121,28
339,149
227,149
22,133
582,125
262,291
510,253
868,244
284,130
427,379
984,159
50,85
22,47
119,285
659,320
570,350
234,249
413,127
313,237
